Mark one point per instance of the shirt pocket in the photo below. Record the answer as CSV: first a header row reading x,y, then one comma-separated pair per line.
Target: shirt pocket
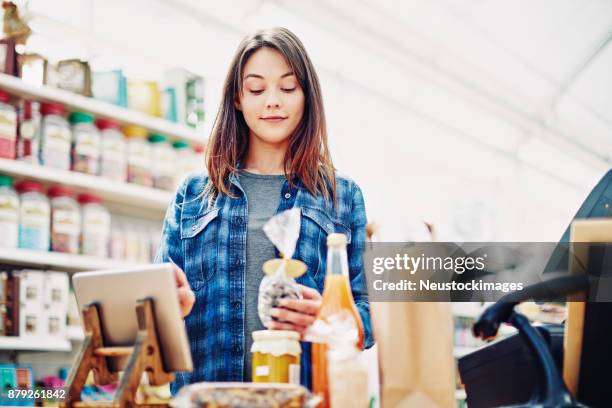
x,y
316,225
200,247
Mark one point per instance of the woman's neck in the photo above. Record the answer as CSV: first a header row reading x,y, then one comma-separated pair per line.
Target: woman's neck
x,y
265,158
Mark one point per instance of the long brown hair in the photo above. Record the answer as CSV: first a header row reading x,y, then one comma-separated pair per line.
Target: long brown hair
x,y
307,156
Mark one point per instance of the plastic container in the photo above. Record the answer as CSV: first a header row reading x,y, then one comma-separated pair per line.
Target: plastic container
x,y
28,144
9,213
34,216
184,160
85,144
55,138
96,231
163,164
8,127
65,220
276,356
113,160
138,156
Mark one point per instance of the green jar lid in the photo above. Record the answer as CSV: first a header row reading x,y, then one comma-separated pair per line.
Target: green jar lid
x,y
81,117
6,181
155,138
180,144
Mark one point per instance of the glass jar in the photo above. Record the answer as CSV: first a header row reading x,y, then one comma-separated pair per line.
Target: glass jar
x,y
276,356
113,161
28,145
55,138
9,213
8,127
138,156
85,144
163,162
65,220
184,157
34,216
96,230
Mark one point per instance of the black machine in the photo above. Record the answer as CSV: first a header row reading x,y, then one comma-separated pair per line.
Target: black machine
x,y
524,370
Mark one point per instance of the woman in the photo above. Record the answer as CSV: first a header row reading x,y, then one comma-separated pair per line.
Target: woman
x,y
267,153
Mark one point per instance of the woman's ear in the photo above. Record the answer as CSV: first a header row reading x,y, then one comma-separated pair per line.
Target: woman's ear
x,y
237,104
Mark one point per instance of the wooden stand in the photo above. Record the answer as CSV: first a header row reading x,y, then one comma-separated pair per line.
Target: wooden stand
x,y
145,355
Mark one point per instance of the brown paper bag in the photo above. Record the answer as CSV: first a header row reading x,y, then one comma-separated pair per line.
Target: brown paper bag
x,y
415,349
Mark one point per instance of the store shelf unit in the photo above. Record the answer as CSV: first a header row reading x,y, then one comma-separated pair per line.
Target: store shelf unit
x,y
122,194
112,191
34,344
73,101
57,261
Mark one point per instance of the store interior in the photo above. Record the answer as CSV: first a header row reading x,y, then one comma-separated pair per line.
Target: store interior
x,y
460,120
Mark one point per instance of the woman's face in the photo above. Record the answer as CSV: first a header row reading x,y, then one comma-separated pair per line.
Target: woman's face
x,y
272,100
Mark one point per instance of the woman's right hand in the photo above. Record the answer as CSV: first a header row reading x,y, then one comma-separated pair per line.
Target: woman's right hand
x,y
186,296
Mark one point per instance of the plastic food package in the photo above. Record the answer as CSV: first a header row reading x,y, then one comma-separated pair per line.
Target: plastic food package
x,y
252,395
283,230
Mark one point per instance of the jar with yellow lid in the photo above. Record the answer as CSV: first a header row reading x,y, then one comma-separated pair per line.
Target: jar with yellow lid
x,y
139,156
276,356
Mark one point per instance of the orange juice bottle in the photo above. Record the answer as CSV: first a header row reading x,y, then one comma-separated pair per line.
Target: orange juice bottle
x,y
337,299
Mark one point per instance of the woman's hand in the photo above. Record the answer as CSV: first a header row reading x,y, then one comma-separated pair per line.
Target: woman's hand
x,y
185,294
297,314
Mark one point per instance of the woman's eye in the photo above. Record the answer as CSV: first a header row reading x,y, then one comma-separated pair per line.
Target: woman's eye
x,y
287,89
256,91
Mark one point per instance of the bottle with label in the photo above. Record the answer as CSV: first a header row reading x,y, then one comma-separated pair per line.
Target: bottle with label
x,y
65,220
86,143
138,156
113,160
56,137
9,213
96,230
163,162
8,127
337,302
34,216
28,145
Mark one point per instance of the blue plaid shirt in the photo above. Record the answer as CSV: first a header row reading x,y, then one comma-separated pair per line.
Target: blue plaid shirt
x,y
208,241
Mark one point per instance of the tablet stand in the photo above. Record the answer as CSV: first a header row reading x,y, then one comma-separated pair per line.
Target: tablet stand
x,y
144,356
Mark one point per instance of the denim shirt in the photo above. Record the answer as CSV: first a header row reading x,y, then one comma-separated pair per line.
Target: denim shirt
x,y
207,240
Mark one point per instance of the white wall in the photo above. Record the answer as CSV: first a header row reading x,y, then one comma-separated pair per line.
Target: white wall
x,y
421,147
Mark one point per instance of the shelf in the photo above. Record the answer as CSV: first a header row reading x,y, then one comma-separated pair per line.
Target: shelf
x,y
98,108
34,344
58,261
124,194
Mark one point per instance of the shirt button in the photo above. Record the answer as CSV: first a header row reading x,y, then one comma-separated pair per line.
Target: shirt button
x,y
236,305
287,195
238,220
237,262
193,228
237,349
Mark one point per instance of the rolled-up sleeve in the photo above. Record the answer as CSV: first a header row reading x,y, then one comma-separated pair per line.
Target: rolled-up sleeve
x,y
356,268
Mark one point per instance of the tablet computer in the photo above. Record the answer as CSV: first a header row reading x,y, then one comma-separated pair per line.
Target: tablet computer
x,y
117,291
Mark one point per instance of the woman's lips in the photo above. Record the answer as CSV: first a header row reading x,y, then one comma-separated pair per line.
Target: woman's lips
x,y
274,119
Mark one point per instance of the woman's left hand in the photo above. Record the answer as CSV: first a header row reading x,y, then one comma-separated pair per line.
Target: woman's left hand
x,y
297,314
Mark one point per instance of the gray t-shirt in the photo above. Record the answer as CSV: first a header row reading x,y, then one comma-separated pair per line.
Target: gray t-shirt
x,y
263,195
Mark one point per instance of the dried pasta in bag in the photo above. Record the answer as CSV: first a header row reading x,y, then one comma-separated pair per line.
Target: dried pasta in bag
x,y
283,230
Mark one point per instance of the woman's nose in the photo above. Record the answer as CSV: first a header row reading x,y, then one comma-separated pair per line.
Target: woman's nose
x,y
272,101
